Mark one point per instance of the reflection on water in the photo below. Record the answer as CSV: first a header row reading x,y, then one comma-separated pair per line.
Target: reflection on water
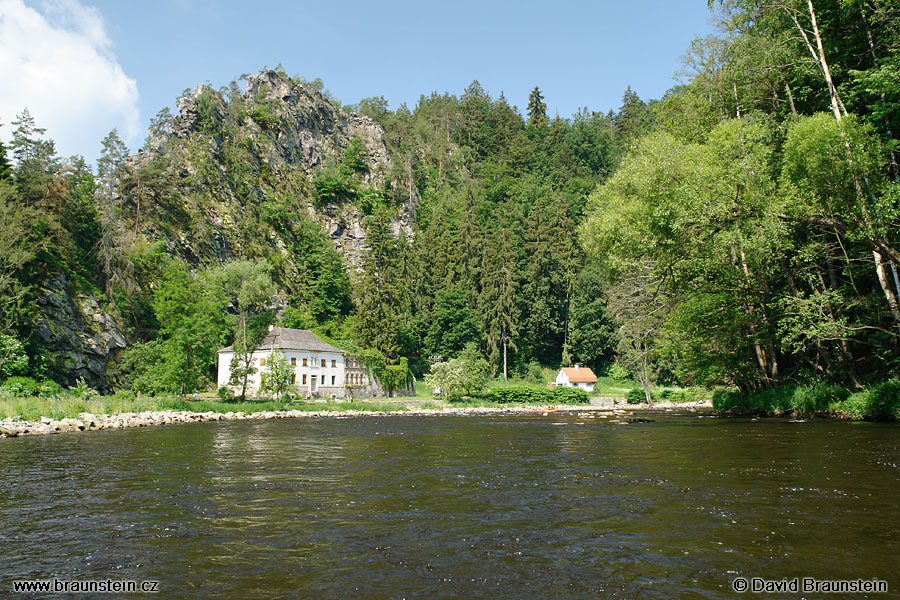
x,y
562,506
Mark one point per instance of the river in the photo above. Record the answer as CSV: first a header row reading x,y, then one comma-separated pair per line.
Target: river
x,y
528,506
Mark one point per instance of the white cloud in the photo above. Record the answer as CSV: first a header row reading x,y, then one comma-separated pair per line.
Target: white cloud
x,y
59,65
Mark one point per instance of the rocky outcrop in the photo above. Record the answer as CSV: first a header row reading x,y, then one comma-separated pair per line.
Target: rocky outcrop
x,y
82,339
286,129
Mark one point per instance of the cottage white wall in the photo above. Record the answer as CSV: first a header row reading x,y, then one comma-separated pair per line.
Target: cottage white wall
x,y
562,379
224,374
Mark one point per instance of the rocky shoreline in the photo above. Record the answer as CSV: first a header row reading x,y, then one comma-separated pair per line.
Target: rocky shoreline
x,y
91,422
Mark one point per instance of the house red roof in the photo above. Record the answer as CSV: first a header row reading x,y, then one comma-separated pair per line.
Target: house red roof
x,y
580,375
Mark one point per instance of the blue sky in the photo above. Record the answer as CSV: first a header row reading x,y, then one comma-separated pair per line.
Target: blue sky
x,y
117,63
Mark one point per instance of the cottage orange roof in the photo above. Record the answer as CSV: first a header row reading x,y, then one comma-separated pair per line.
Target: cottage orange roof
x,y
580,375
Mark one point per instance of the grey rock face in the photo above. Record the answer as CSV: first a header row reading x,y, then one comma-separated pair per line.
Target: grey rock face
x,y
82,339
307,133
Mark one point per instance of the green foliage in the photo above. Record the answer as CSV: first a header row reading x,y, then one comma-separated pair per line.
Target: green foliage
x,y
83,391
635,396
394,377
194,325
334,185
879,402
618,372
26,387
664,394
278,375
467,374
13,360
534,373
453,323
536,395
567,395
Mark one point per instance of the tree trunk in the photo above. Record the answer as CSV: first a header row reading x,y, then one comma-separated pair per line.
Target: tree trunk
x,y
503,335
840,111
790,96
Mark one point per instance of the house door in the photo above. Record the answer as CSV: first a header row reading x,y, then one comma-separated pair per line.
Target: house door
x,y
313,384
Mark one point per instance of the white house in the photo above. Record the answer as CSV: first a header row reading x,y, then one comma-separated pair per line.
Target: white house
x,y
578,377
320,369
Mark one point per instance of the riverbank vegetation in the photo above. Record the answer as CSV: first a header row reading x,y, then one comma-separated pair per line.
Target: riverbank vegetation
x,y
750,240
880,401
739,233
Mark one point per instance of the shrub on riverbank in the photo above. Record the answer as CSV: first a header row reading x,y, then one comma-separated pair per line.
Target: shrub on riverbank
x,y
665,394
878,402
535,395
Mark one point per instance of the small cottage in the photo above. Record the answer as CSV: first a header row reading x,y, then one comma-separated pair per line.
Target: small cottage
x,y
320,369
578,377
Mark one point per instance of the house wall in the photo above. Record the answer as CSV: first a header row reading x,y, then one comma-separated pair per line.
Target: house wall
x,y
330,380
562,380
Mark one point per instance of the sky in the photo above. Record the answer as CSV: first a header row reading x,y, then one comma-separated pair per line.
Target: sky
x,y
82,67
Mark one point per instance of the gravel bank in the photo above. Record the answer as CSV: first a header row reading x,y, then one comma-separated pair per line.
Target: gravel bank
x,y
90,422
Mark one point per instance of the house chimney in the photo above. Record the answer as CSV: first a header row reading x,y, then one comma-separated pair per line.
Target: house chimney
x,y
576,366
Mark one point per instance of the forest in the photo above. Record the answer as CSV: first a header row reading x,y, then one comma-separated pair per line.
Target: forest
x,y
741,231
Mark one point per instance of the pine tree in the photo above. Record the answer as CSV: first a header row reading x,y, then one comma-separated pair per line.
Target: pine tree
x,y
378,319
499,303
633,119
116,267
537,109
5,165
36,160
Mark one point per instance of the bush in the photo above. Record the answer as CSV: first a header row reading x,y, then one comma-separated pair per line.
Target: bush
x,y
83,390
534,373
635,396
880,402
567,395
691,394
618,372
225,393
536,395
25,387
814,399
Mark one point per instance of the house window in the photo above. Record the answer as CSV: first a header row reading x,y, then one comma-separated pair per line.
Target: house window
x,y
262,380
262,362
333,363
304,364
323,362
304,379
293,379
293,362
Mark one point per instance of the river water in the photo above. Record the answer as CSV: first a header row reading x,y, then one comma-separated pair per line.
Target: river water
x,y
529,506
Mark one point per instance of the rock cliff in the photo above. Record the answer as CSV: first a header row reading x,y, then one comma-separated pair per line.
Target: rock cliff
x,y
256,146
83,340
